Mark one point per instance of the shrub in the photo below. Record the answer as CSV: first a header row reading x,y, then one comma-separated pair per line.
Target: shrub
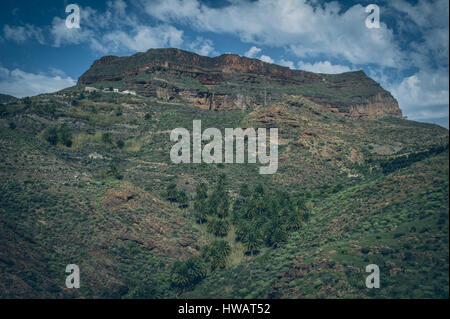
x,y
106,138
120,144
64,135
51,136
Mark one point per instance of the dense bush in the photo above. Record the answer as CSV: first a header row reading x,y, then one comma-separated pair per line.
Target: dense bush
x,y
61,135
174,195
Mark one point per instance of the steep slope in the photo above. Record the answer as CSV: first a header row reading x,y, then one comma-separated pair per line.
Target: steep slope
x,y
233,82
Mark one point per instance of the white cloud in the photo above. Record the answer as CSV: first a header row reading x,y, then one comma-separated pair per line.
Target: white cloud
x,y
202,46
63,36
323,67
425,27
20,34
20,83
140,39
287,63
114,30
306,28
266,58
252,52
423,95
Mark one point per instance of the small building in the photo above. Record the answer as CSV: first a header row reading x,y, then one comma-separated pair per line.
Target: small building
x,y
116,90
129,92
90,89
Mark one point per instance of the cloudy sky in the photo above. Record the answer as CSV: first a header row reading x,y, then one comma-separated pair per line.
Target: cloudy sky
x,y
408,54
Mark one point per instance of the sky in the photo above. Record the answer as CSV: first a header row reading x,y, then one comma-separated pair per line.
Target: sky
x,y
408,54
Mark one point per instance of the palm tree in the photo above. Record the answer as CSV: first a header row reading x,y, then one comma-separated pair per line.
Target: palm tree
x,y
252,241
216,253
218,227
200,212
188,273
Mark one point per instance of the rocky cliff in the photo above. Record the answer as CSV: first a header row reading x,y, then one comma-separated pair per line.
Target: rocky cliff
x,y
233,82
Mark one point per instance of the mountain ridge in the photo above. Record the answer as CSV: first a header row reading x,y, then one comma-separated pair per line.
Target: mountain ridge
x,y
230,81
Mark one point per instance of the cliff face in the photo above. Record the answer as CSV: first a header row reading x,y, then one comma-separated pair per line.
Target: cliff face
x,y
233,82
378,105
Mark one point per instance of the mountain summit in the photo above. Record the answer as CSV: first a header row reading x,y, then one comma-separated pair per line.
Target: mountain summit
x,y
231,82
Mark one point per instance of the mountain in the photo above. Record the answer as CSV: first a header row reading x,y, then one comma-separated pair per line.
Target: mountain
x,y
87,179
230,82
6,98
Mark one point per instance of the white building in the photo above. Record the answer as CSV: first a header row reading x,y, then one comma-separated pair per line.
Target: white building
x,y
90,89
129,92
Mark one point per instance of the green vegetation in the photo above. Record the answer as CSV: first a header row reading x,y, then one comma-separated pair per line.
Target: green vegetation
x,y
391,165
61,135
87,179
188,273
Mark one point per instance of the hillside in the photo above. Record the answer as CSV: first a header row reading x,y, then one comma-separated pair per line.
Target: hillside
x,y
6,98
87,179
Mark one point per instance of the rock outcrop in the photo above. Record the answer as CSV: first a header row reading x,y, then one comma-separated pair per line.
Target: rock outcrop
x,y
230,82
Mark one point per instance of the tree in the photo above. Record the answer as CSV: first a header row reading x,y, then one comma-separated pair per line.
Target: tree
x,y
182,199
51,136
200,205
171,192
223,206
245,190
120,144
276,234
114,170
106,138
216,253
65,135
188,273
200,213
201,191
252,241
218,227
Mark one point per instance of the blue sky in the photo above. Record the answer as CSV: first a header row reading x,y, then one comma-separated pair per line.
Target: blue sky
x,y
408,54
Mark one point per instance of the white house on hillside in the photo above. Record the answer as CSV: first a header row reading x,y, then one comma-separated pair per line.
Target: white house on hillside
x,y
90,89
129,92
